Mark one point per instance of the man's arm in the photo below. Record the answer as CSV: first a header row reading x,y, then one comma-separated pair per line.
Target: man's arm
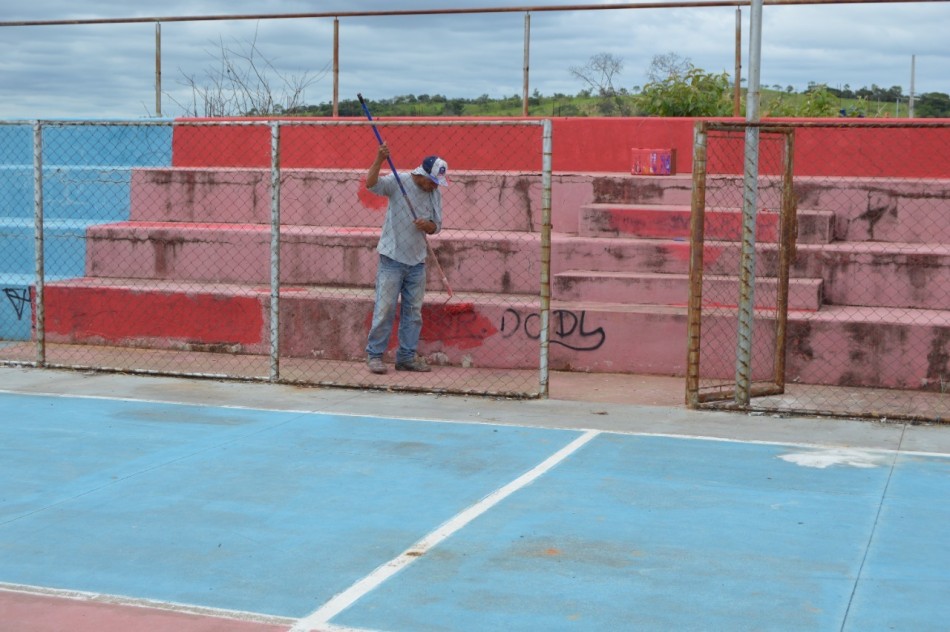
x,y
372,176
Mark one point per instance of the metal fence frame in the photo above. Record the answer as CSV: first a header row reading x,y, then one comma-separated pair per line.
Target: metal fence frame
x,y
545,153
740,396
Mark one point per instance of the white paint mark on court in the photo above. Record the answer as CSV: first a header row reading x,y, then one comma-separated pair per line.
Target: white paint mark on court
x,y
837,456
321,617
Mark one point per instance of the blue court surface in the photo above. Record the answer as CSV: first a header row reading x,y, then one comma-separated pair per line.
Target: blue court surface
x,y
336,519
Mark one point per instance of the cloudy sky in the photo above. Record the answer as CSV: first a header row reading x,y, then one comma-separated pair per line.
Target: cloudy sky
x,y
94,71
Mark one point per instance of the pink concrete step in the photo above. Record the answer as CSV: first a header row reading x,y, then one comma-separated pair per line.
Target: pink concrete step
x,y
649,288
912,275
668,256
674,190
894,210
845,346
312,255
865,209
328,197
472,260
671,222
885,274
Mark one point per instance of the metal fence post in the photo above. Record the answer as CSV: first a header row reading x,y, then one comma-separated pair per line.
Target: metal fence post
x,y
697,227
545,252
749,213
788,236
38,239
275,251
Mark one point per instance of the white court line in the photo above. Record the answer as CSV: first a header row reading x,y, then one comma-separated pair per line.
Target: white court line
x,y
321,617
485,422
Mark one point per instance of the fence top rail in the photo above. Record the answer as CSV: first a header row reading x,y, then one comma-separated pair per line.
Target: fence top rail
x,y
785,126
413,12
420,122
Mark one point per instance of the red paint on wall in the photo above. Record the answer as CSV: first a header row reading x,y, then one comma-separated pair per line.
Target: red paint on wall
x,y
369,199
461,329
580,145
453,327
728,226
120,314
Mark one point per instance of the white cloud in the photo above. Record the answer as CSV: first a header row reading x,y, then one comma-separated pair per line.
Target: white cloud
x,y
108,70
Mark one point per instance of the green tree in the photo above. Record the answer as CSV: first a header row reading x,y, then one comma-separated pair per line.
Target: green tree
x,y
816,102
819,101
932,105
687,91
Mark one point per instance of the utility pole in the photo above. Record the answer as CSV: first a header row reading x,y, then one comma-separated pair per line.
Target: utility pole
x,y
913,70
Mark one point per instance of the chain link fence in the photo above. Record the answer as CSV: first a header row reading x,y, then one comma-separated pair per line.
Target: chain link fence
x,y
163,247
863,328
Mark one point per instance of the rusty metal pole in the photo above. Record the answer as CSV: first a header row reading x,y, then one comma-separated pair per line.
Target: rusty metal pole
x,y
336,67
789,220
158,69
737,91
697,237
527,48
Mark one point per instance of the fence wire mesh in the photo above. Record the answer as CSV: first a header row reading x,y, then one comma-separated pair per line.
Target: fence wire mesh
x,y
723,288
160,252
868,330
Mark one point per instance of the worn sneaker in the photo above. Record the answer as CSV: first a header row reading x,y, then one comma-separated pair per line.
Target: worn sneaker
x,y
416,364
376,365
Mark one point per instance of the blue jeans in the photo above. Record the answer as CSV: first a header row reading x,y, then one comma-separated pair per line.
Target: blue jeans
x,y
394,279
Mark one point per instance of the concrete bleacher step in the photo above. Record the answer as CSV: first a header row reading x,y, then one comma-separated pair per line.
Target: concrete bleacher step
x,y
894,210
475,259
673,289
908,275
670,222
507,202
64,246
480,261
492,330
100,193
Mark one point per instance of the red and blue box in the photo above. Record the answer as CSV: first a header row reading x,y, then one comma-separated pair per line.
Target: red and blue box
x,y
652,162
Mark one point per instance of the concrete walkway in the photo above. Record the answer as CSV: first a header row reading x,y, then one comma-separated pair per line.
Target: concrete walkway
x,y
188,505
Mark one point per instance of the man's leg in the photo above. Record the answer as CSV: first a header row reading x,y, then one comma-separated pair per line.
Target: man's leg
x,y
389,277
410,315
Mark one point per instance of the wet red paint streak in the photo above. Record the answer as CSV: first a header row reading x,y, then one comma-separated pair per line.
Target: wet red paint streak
x,y
462,329
369,199
454,328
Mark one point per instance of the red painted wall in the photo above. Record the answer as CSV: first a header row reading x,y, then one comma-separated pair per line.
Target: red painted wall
x,y
581,145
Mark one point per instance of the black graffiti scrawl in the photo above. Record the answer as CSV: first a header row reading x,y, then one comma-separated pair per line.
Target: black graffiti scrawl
x,y
568,329
19,298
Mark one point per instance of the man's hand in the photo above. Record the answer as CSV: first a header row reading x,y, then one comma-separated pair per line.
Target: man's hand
x,y
372,176
425,225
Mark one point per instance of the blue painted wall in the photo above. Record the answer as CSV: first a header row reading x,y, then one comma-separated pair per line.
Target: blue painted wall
x,y
86,175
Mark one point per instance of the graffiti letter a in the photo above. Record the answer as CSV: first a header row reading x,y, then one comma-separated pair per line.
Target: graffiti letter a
x,y
19,298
